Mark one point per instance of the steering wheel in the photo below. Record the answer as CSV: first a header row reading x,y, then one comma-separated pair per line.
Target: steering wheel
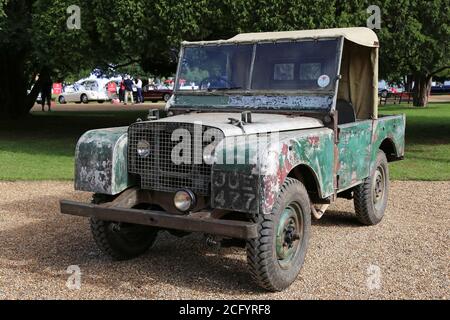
x,y
214,78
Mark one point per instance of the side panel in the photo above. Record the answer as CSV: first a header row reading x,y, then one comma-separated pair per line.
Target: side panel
x,y
313,148
101,161
249,171
392,128
354,149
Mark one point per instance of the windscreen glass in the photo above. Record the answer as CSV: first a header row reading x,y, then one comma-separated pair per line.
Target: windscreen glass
x,y
218,67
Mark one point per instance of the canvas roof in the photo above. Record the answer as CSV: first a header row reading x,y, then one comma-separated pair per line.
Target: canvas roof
x,y
359,66
359,35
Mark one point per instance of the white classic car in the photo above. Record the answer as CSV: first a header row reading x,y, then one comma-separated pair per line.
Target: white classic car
x,y
86,91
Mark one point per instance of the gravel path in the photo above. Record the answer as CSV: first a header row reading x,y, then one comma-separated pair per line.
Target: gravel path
x,y
409,251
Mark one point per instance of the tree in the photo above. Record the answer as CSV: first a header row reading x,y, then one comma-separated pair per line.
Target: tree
x,y
414,38
115,34
120,33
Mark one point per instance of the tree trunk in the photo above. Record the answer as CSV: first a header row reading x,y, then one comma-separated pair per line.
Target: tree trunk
x,y
14,100
422,85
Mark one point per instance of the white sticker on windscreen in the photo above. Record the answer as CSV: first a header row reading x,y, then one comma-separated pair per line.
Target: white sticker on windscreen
x,y
323,81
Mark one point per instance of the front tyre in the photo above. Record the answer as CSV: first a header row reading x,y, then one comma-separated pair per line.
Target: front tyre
x,y
121,241
62,100
370,197
277,255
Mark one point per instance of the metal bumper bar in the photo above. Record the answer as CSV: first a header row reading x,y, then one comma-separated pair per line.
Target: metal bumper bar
x,y
160,219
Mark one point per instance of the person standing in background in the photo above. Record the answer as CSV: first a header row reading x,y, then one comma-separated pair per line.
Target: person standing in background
x,y
46,88
122,90
128,90
140,97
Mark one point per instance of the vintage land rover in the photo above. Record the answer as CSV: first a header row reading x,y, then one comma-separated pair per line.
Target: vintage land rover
x,y
264,131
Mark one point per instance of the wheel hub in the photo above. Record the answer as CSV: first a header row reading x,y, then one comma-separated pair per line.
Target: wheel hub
x,y
378,187
288,236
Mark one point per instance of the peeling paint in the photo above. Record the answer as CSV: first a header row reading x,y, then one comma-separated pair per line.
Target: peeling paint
x,y
354,152
315,148
260,102
101,161
277,157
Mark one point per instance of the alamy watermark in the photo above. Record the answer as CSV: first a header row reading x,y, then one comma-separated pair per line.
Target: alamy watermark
x,y
374,21
198,146
373,281
74,280
73,22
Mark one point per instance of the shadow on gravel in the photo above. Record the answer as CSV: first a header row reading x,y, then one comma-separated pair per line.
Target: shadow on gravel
x,y
49,242
337,218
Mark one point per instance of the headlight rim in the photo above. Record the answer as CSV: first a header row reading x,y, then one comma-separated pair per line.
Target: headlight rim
x,y
191,196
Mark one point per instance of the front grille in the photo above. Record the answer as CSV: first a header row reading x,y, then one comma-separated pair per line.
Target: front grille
x,y
158,171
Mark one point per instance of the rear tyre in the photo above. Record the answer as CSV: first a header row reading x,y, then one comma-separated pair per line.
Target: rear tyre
x,y
370,197
276,256
121,241
84,98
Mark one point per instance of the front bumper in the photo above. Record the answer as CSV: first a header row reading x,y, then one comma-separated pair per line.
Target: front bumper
x,y
190,223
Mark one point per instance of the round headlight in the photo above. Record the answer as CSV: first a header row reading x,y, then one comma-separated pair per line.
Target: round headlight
x,y
143,149
184,200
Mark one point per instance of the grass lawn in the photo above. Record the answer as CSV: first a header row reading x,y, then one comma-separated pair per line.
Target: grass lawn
x,y
41,147
427,154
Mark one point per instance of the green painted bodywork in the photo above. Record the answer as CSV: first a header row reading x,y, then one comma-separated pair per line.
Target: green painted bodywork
x,y
101,161
249,170
354,152
390,128
359,143
273,157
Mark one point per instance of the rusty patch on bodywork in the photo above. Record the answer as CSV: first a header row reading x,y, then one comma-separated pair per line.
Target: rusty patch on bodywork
x,y
272,157
313,141
295,149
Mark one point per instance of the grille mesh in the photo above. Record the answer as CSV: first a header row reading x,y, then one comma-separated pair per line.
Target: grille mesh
x,y
158,171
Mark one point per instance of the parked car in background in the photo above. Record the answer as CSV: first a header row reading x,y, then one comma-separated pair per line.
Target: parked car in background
x,y
384,88
157,93
85,91
440,88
